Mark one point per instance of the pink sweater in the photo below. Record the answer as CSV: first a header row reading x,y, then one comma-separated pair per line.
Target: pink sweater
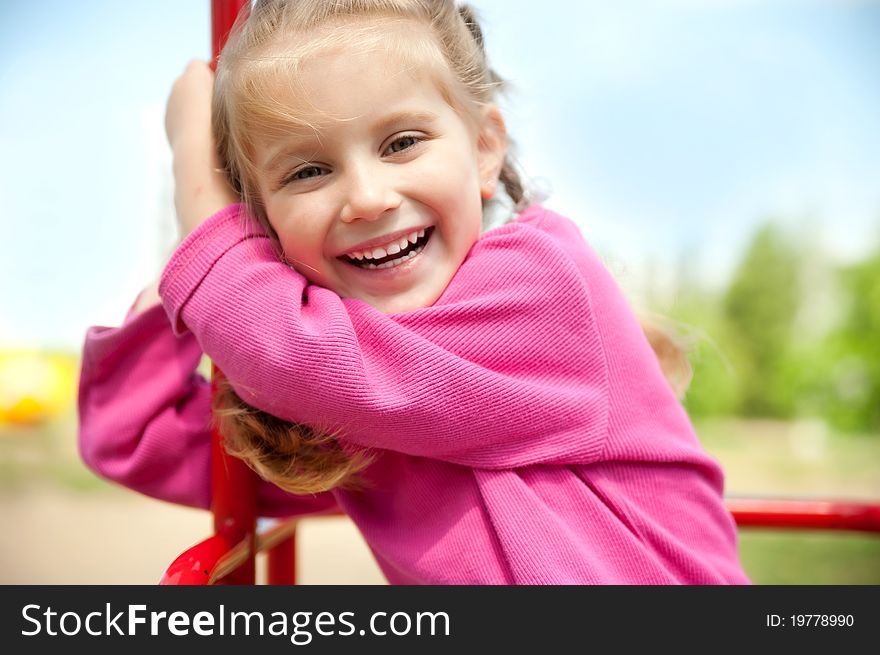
x,y
524,431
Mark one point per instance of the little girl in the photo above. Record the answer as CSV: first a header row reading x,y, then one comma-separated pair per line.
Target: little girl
x,y
482,404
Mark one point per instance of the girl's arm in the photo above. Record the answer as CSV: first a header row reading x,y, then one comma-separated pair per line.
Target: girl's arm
x,y
506,369
145,415
200,184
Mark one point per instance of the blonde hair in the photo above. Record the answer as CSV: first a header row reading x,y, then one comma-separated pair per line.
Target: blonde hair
x,y
298,458
271,42
671,344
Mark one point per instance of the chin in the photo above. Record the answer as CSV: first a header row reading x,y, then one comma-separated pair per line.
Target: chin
x,y
405,302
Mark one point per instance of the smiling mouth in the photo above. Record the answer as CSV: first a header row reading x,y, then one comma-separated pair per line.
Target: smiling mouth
x,y
390,261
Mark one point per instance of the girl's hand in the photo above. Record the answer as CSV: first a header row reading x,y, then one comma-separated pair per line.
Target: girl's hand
x,y
200,187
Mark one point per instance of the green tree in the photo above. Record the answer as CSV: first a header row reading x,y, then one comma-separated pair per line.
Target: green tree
x,y
759,308
852,352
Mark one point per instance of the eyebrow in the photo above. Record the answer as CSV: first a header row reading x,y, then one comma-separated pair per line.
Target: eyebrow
x,y
393,119
384,123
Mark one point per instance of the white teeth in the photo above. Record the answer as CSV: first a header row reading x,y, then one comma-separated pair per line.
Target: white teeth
x,y
394,262
392,249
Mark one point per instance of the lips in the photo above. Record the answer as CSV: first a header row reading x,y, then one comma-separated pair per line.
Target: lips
x,y
391,254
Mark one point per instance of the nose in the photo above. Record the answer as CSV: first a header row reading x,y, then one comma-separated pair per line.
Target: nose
x,y
369,193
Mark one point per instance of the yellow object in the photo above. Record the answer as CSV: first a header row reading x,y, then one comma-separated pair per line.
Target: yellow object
x,y
35,386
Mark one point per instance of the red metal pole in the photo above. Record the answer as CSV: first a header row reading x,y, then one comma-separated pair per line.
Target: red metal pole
x,y
233,503
281,563
805,514
233,484
223,15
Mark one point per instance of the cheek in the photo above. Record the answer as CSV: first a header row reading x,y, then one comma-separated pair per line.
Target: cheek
x,y
463,229
298,242
473,229
302,247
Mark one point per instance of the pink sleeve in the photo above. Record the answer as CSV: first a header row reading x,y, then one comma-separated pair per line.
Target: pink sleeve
x,y
145,414
506,369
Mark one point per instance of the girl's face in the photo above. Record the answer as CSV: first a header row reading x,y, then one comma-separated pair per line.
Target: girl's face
x,y
380,199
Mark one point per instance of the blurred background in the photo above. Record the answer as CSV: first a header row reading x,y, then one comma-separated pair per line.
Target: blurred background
x,y
722,156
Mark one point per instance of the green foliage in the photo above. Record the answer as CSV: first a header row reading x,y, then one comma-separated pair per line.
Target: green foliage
x,y
753,357
852,353
760,307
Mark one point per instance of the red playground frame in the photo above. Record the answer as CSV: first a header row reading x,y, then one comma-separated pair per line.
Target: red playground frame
x,y
229,556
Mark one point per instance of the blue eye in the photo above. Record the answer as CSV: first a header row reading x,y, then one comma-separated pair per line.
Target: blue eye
x,y
303,174
402,143
307,172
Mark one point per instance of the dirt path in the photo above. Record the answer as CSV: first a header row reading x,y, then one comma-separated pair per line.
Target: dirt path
x,y
55,536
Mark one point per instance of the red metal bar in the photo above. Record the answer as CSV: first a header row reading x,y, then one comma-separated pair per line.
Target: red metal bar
x,y
805,514
281,563
223,15
233,484
233,491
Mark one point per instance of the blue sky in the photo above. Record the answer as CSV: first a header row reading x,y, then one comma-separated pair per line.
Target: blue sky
x,y
666,128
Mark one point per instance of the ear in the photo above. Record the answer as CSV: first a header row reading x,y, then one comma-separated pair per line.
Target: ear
x,y
491,149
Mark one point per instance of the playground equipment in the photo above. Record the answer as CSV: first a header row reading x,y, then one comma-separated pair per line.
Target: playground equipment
x,y
229,555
